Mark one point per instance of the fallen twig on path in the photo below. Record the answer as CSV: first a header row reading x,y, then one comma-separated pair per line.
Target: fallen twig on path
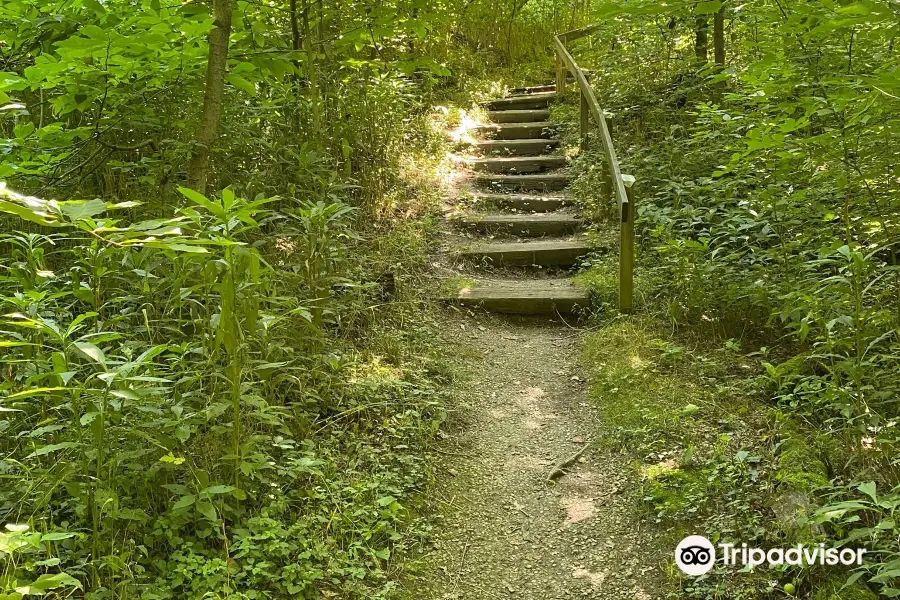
x,y
560,468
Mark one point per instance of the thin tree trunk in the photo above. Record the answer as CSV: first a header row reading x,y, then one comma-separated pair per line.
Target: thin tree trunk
x,y
719,36
311,73
701,43
295,46
295,29
207,128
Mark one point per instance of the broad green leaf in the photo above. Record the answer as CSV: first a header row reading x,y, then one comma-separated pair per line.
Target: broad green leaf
x,y
39,586
241,83
208,510
868,489
34,215
23,130
203,201
218,489
44,450
707,8
184,502
92,352
83,209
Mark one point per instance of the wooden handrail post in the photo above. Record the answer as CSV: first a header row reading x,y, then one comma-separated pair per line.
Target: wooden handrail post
x,y
616,187
607,190
609,200
626,249
585,121
560,76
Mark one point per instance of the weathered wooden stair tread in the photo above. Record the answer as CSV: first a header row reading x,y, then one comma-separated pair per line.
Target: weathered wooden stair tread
x,y
540,181
532,297
515,166
548,253
523,102
534,225
533,89
519,147
518,164
516,131
523,202
518,116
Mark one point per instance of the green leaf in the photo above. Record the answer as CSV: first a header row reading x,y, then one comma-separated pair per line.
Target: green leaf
x,y
383,554
48,582
92,352
707,8
29,214
208,510
241,83
83,209
203,201
184,502
885,576
167,245
56,535
125,394
218,489
33,392
53,448
23,130
868,489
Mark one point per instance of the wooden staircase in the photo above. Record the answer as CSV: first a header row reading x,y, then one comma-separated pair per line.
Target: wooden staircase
x,y
520,193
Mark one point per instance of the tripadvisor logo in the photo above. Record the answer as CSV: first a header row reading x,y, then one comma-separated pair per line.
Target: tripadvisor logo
x,y
696,555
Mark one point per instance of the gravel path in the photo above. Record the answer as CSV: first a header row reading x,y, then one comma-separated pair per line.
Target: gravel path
x,y
505,533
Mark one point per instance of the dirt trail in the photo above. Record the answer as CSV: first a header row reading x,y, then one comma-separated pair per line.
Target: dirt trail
x,y
505,532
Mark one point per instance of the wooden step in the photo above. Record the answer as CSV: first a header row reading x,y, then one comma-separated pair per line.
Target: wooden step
x,y
518,116
522,147
544,182
516,131
523,202
518,164
530,297
545,253
530,225
534,89
523,102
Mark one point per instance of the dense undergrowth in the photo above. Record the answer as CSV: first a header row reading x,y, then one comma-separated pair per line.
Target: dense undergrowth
x,y
227,394
758,382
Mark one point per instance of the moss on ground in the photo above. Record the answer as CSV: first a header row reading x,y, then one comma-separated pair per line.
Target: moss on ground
x,y
832,589
451,286
645,403
800,465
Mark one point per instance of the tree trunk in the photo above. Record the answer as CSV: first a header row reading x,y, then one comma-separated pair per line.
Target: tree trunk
x,y
701,43
207,128
295,29
719,36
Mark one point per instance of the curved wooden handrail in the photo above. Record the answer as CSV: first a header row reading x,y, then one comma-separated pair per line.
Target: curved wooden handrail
x,y
622,193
